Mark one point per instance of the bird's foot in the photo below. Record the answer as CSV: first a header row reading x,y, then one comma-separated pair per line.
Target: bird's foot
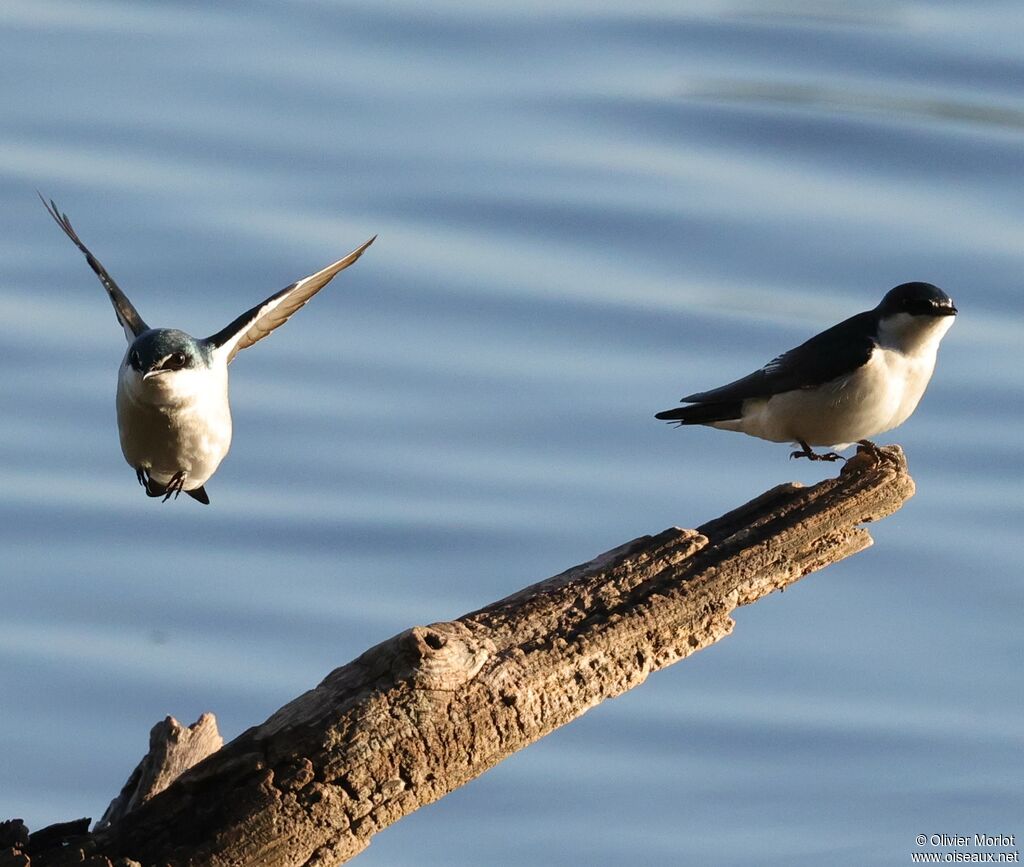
x,y
805,452
872,454
174,486
814,456
152,486
869,447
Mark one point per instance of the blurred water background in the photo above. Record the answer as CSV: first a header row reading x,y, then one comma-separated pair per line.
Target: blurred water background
x,y
585,211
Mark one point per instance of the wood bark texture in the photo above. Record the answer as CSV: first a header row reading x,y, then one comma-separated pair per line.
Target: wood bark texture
x,y
430,709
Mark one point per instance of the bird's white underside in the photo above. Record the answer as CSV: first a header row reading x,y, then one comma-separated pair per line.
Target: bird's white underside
x,y
878,397
176,421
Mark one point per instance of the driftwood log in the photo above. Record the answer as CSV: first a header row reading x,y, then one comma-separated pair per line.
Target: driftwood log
x,y
430,709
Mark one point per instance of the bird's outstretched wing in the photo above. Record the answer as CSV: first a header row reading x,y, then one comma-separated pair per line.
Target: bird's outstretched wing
x,y
255,324
127,315
838,350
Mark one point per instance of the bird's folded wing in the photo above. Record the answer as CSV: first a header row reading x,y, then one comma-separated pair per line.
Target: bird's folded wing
x,y
836,352
255,324
126,314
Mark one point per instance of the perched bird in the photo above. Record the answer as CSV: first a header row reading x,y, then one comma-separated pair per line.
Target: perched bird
x,y
846,385
173,415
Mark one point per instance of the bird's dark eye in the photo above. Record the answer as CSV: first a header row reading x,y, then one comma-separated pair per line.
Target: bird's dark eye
x,y
177,360
134,360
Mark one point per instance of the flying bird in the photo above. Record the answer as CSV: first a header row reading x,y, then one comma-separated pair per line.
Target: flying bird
x,y
173,415
853,381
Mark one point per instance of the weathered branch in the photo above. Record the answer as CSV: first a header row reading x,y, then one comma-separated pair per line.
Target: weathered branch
x,y
430,709
173,749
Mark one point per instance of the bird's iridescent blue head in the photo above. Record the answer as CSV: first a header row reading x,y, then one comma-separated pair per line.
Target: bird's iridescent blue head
x,y
162,350
916,299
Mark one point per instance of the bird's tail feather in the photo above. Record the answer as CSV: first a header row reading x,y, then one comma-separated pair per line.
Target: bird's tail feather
x,y
703,413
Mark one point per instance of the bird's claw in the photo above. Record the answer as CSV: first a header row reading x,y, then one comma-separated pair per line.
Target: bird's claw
x,y
869,447
174,486
805,452
152,488
814,456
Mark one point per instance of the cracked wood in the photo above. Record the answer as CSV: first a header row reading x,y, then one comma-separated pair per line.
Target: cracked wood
x,y
430,709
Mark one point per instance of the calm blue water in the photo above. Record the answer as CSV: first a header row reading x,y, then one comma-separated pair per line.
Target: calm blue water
x,y
584,213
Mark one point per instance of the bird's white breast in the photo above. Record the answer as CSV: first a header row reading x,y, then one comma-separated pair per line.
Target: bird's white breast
x,y
179,421
877,397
